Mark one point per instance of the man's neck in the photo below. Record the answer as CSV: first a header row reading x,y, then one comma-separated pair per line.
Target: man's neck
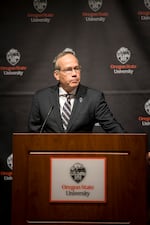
x,y
71,90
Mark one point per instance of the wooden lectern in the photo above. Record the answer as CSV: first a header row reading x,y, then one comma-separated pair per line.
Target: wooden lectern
x,y
125,179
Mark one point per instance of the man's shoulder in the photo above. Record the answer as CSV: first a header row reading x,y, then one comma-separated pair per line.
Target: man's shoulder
x,y
91,90
46,90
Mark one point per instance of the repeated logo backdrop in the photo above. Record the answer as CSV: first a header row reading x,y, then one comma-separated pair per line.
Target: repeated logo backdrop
x,y
111,39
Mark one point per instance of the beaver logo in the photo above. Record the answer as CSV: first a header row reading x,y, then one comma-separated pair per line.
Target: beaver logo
x,y
78,172
123,55
40,5
95,5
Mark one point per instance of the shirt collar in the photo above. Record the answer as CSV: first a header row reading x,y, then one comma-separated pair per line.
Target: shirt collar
x,y
62,92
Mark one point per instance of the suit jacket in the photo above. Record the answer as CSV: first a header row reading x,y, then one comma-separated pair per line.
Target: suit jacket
x,y
89,108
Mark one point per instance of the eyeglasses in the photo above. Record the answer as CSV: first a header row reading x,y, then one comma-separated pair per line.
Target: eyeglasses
x,y
69,70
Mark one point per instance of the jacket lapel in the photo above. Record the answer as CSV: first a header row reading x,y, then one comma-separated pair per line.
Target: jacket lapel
x,y
55,101
78,105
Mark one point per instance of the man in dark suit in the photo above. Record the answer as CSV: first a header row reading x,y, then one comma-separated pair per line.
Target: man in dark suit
x,y
88,106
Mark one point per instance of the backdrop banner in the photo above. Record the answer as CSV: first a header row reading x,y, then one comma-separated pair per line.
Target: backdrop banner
x,y
111,40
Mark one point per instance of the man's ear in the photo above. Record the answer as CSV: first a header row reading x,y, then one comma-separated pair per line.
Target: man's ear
x,y
56,75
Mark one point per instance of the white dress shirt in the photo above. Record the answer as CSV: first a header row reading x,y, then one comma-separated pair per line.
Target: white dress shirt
x,y
62,97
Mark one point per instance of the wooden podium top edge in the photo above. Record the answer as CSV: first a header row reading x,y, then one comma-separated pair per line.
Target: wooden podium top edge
x,y
82,134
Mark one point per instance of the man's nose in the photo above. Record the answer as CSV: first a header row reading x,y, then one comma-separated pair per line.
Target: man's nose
x,y
74,72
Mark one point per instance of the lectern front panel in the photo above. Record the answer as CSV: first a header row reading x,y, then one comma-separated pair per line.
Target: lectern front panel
x,y
89,180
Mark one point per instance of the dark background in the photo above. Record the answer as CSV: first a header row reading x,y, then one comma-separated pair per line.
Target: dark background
x,y
95,43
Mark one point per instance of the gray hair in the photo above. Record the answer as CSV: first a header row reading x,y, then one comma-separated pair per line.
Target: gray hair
x,y
64,52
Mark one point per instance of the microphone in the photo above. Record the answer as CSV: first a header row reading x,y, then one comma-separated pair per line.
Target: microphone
x,y
49,112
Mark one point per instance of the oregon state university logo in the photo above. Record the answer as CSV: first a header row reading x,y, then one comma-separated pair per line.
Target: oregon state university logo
x,y
95,5
145,120
40,16
147,4
147,107
13,56
10,161
7,175
144,15
40,5
123,55
78,172
96,15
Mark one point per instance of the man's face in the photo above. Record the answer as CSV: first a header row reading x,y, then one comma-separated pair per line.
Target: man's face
x,y
69,73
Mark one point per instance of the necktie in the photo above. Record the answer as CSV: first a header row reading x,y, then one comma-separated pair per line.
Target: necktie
x,y
66,112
